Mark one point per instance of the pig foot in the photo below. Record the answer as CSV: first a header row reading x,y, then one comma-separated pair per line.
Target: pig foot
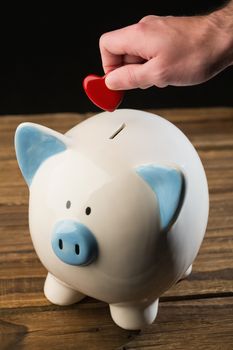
x,y
134,316
60,293
186,274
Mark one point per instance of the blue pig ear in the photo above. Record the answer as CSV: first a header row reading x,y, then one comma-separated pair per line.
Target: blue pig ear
x,y
168,186
33,145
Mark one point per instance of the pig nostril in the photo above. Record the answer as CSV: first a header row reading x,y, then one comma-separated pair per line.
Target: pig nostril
x,y
73,243
60,243
77,249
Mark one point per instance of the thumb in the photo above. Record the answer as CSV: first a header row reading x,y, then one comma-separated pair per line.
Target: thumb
x,y
130,76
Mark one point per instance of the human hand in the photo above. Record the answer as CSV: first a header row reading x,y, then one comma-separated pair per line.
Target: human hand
x,y
170,50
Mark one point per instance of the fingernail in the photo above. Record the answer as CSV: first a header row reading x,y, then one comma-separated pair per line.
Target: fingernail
x,y
112,82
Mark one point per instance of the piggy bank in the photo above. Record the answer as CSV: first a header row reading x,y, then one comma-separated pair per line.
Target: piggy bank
x,y
118,209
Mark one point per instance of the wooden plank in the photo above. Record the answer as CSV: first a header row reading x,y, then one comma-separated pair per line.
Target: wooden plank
x,y
189,324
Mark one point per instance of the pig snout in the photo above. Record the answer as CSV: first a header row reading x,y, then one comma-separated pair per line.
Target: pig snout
x,y
74,243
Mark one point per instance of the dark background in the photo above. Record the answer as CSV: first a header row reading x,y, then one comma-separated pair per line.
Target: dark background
x,y
46,53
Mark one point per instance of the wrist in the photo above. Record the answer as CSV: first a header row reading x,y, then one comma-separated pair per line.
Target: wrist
x,y
222,24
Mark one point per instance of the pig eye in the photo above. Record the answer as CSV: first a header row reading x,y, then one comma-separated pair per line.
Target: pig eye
x,y
68,204
88,210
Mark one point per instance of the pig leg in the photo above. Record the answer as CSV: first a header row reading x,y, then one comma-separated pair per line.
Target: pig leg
x,y
60,293
187,272
134,316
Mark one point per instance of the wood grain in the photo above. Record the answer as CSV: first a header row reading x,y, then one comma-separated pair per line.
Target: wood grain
x,y
194,314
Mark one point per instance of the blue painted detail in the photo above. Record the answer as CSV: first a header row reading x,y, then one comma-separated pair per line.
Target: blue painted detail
x,y
168,185
74,243
34,146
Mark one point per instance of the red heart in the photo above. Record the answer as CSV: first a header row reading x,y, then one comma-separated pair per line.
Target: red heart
x,y
100,94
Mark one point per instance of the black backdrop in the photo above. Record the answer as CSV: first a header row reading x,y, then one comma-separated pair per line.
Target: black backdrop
x,y
46,53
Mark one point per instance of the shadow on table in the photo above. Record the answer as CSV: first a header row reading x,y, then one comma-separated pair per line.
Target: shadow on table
x,y
87,325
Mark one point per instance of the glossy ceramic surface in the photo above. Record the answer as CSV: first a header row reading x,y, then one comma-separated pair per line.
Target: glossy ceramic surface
x,y
132,195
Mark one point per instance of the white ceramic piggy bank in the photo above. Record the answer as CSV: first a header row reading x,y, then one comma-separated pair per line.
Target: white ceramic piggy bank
x,y
118,209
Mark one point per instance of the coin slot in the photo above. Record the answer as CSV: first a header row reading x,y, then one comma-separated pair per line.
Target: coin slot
x,y
117,131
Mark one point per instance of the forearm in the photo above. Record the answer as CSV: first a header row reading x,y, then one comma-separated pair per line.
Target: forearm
x,y
222,19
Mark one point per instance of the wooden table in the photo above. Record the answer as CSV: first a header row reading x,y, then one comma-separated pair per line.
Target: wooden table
x,y
195,314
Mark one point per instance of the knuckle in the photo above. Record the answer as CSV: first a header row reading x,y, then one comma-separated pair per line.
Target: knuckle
x,y
161,85
140,27
161,82
148,19
133,81
103,40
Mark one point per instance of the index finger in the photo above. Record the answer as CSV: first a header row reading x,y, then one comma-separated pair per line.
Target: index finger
x,y
115,45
